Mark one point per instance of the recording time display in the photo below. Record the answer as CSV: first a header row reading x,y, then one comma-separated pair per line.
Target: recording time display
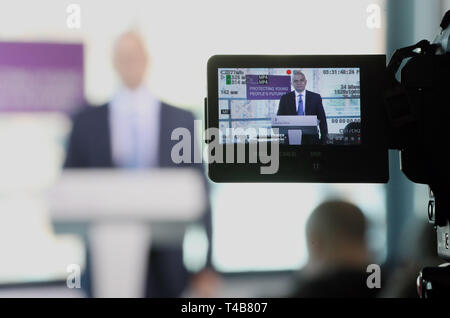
x,y
343,71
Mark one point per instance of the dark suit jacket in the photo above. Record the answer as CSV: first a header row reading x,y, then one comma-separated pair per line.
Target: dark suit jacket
x,y
90,147
90,140
313,106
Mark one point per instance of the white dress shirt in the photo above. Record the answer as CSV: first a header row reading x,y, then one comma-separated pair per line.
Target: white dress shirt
x,y
134,119
297,94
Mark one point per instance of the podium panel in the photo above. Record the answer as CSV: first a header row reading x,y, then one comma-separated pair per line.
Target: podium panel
x,y
119,207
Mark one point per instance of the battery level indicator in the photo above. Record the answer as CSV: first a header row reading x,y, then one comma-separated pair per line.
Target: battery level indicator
x,y
228,79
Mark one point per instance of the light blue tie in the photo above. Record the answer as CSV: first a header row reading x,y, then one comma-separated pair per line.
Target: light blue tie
x,y
133,160
300,106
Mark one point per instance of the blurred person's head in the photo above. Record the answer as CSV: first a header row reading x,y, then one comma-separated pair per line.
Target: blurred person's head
x,y
205,284
130,59
336,235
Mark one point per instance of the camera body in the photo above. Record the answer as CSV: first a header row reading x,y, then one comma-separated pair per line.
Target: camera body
x,y
418,114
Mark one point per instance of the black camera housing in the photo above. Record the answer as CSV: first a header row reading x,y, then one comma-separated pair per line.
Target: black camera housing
x,y
366,162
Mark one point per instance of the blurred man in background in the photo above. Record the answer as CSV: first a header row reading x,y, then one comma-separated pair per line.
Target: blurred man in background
x,y
134,131
338,253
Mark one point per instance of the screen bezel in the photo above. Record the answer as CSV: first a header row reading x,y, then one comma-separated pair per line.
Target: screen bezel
x,y
295,161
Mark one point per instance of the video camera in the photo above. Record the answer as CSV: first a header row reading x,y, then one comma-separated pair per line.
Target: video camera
x,y
333,118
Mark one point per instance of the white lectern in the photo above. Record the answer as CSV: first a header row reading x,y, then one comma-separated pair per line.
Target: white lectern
x,y
295,127
119,206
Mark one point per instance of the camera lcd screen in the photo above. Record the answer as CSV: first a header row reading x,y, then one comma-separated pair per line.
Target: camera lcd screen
x,y
309,106
296,118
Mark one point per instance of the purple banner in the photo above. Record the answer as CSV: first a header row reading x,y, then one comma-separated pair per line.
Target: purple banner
x,y
41,77
267,86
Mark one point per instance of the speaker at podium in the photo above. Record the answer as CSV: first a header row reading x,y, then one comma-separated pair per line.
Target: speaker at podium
x,y
297,130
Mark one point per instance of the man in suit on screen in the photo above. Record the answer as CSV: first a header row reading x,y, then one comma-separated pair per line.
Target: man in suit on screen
x,y
302,102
